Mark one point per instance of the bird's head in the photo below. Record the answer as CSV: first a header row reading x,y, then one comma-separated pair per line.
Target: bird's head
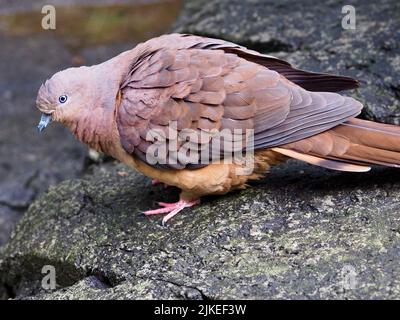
x,y
64,96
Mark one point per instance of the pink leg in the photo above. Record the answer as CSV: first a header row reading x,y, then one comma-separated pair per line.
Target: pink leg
x,y
171,208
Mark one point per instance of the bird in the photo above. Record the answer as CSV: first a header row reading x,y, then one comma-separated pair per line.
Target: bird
x,y
160,107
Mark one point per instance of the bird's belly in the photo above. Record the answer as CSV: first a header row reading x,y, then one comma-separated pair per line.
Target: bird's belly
x,y
216,178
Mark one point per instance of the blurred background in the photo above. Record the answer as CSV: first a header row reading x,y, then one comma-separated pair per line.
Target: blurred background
x,y
87,32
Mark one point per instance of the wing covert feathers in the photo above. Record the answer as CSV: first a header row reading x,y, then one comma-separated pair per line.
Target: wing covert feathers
x,y
204,84
311,81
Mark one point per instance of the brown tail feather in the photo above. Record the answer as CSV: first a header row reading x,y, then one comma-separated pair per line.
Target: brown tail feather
x,y
357,142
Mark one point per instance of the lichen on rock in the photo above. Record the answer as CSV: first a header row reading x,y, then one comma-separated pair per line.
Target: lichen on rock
x,y
290,235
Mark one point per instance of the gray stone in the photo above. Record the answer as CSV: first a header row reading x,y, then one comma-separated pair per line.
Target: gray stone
x,y
302,232
8,219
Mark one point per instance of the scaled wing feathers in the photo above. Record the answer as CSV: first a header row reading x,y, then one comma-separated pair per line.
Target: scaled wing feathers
x,y
207,84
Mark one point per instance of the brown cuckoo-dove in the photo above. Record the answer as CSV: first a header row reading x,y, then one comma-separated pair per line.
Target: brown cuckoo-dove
x,y
160,107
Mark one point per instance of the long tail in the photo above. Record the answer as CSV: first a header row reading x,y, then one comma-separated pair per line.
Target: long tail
x,y
351,146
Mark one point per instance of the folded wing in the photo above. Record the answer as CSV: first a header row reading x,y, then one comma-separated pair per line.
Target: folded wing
x,y
206,84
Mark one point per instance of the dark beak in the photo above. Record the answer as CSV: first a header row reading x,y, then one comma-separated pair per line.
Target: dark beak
x,y
44,122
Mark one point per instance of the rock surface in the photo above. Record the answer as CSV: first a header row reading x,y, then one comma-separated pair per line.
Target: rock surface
x,y
303,232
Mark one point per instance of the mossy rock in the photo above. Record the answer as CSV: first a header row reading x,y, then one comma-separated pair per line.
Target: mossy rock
x,y
302,232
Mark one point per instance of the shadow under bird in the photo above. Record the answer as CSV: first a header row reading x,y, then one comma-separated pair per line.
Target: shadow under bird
x,y
206,84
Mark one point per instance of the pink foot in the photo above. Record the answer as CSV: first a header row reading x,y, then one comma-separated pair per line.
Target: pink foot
x,y
171,208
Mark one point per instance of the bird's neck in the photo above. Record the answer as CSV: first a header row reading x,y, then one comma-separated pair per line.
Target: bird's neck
x,y
96,125
96,128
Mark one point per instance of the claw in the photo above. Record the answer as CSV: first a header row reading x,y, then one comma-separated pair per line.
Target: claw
x,y
171,208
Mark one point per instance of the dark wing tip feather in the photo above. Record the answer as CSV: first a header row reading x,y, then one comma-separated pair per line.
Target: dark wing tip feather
x,y
313,81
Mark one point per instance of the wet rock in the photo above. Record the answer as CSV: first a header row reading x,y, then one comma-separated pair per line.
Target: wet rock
x,y
311,37
8,218
302,232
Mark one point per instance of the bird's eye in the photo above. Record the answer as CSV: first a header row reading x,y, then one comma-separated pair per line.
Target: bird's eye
x,y
63,98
